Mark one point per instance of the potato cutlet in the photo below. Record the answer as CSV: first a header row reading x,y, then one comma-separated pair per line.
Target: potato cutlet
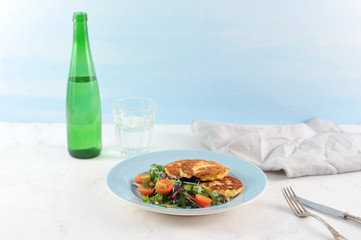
x,y
202,169
227,186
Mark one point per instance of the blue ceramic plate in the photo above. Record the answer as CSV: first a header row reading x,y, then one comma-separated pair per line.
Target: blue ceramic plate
x,y
121,178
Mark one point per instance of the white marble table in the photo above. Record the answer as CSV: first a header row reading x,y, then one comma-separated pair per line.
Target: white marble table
x,y
46,194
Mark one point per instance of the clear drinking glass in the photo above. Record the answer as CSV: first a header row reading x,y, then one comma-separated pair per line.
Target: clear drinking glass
x,y
134,120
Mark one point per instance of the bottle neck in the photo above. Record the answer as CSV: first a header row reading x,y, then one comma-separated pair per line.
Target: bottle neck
x,y
81,61
80,36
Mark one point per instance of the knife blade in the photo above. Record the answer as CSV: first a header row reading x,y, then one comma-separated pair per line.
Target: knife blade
x,y
330,210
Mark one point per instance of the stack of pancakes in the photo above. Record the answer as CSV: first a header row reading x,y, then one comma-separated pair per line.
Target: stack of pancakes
x,y
212,175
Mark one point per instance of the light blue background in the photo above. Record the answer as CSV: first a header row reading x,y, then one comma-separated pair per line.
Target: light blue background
x,y
260,62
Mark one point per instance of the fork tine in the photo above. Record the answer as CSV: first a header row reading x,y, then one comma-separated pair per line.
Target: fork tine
x,y
288,200
293,203
293,200
297,200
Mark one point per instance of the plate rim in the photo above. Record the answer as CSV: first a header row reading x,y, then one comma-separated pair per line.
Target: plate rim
x,y
185,212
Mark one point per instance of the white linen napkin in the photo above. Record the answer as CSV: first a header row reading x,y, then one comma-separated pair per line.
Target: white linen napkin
x,y
316,147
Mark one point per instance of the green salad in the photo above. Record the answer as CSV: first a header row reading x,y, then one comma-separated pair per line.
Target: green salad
x,y
160,189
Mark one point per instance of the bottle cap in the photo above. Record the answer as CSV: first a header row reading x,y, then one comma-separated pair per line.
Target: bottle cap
x,y
80,17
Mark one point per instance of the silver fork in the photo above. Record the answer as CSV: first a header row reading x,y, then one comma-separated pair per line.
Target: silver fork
x,y
299,209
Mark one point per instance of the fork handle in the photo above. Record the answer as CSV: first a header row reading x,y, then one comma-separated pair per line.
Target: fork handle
x,y
334,233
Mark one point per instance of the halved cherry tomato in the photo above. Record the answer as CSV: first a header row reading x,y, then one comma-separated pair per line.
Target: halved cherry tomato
x,y
164,186
202,200
139,179
145,191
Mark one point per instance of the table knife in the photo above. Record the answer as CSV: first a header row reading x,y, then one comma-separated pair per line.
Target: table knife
x,y
329,210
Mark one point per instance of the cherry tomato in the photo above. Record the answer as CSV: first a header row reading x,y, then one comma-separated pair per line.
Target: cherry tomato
x,y
145,191
164,186
202,200
139,179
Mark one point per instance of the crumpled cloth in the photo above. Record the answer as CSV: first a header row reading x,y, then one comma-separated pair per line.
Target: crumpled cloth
x,y
316,147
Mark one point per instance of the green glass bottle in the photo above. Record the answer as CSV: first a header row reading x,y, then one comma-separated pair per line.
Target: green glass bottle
x,y
83,102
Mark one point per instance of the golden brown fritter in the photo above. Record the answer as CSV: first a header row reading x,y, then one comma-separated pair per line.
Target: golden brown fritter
x,y
202,169
227,186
